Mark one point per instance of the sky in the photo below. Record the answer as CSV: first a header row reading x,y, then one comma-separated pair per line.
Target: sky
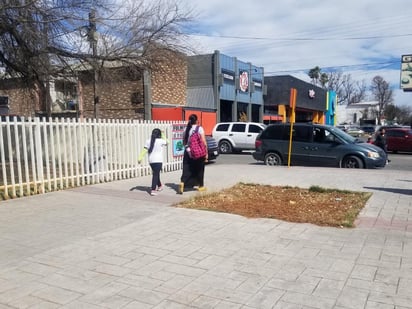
x,y
363,38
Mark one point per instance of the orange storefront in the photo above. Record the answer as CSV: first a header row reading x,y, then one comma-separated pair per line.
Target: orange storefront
x,y
206,119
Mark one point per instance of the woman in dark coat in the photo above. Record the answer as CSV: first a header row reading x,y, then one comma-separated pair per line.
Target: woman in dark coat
x,y
193,169
380,141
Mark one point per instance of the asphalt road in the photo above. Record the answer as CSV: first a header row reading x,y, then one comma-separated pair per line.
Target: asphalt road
x,y
399,161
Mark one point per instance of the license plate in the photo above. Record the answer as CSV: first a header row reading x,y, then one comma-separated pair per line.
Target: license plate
x,y
215,152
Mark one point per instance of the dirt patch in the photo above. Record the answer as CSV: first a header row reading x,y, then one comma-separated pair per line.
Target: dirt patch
x,y
316,205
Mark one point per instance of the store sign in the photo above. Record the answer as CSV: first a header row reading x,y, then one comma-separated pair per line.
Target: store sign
x,y
228,75
244,81
257,83
406,73
311,94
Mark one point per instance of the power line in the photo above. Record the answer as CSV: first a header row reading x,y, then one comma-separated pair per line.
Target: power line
x,y
303,39
336,67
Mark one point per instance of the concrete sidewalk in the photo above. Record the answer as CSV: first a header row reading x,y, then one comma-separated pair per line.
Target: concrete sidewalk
x,y
113,245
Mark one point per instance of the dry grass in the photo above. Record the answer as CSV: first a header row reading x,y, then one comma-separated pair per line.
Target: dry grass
x,y
316,205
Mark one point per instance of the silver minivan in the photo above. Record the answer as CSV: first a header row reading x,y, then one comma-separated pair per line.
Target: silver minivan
x,y
236,136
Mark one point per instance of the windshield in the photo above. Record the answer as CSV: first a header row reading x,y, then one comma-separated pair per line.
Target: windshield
x,y
343,135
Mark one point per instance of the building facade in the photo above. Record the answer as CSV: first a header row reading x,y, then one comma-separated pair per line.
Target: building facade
x,y
233,89
311,101
358,113
119,94
216,87
219,88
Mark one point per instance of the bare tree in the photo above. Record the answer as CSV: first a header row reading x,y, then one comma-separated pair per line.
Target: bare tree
x,y
383,93
398,114
40,38
347,90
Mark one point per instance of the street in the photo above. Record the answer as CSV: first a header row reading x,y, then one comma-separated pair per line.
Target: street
x,y
399,161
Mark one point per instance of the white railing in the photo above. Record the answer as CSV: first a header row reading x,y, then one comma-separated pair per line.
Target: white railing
x,y
38,156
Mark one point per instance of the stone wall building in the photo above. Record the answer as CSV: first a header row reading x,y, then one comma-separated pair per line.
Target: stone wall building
x,y
121,93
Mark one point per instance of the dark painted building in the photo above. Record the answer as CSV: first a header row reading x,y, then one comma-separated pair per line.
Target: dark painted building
x,y
311,101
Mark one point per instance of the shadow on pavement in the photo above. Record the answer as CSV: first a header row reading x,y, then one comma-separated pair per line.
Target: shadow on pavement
x,y
140,188
393,190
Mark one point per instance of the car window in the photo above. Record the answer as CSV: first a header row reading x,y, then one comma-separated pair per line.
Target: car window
x,y
395,133
321,135
343,135
11,118
239,127
286,132
302,134
273,132
222,127
254,128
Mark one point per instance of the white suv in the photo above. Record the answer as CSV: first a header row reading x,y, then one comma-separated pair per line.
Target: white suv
x,y
236,136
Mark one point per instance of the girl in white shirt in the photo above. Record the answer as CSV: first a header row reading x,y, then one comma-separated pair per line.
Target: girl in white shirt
x,y
154,146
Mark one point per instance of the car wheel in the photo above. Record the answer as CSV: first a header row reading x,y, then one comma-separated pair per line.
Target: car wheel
x,y
352,162
273,159
225,147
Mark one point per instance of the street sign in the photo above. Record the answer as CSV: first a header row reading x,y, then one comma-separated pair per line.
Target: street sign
x,y
406,73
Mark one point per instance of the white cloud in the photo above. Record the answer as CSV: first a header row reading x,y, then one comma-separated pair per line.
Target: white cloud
x,y
301,34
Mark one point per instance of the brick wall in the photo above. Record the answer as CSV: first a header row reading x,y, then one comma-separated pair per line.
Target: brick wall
x,y
169,81
22,99
117,98
121,94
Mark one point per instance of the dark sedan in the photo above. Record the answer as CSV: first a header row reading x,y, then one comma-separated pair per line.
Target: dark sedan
x,y
212,148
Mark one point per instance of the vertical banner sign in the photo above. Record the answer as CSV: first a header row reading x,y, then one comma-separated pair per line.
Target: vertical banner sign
x,y
244,81
406,73
178,130
292,104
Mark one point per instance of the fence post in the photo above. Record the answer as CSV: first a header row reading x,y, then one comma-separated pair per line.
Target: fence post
x,y
39,154
3,165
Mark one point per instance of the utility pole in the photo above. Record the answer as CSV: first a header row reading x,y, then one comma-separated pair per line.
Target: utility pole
x,y
92,37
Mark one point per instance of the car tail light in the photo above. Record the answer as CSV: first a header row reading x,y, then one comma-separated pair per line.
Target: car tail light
x,y
258,143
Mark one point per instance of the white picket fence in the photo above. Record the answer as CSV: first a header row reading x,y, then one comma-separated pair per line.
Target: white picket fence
x,y
38,156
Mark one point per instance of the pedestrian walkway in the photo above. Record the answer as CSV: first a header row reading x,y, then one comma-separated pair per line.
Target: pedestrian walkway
x,y
113,245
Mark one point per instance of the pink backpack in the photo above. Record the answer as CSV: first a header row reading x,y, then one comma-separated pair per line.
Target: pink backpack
x,y
197,147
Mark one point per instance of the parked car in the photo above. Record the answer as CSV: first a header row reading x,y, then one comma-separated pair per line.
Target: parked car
x,y
315,145
355,131
399,139
11,118
392,126
236,136
342,127
213,150
368,129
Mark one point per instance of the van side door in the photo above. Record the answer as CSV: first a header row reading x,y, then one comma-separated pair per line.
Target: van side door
x,y
325,150
301,144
